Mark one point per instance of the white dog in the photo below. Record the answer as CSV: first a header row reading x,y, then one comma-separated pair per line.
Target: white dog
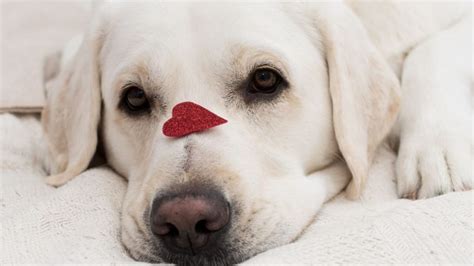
x,y
302,87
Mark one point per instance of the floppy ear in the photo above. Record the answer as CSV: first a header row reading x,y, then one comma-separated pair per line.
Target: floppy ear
x,y
71,115
364,90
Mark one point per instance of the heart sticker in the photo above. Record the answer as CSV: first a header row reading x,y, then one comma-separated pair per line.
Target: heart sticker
x,y
188,117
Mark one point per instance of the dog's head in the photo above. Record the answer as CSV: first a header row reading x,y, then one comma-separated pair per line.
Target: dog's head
x,y
300,85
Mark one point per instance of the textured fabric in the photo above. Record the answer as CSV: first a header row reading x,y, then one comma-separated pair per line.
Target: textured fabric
x,y
80,222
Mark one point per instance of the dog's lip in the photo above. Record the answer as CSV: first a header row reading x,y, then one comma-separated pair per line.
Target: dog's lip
x,y
218,257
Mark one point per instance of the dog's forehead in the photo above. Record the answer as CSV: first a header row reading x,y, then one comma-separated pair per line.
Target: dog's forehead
x,y
200,18
183,28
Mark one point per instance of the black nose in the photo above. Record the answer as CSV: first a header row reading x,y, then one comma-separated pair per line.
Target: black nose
x,y
190,222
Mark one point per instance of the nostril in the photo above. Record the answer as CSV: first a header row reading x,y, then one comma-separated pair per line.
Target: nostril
x,y
166,229
218,219
173,231
201,227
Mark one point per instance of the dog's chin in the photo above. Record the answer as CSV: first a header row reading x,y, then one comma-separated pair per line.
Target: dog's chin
x,y
225,255
219,257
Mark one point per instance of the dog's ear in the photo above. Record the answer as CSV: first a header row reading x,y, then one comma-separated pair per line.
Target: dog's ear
x,y
71,115
365,92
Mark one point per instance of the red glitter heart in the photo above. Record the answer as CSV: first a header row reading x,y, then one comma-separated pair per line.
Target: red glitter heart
x,y
188,117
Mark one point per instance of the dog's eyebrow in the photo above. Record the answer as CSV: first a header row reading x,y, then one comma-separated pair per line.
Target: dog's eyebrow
x,y
138,68
246,58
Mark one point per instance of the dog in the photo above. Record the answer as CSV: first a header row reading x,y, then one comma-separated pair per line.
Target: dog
x,y
308,92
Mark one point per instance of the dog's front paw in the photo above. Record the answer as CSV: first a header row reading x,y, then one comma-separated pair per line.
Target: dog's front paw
x,y
55,180
432,163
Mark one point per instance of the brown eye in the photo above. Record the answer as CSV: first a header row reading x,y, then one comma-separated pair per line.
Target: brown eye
x,y
135,100
265,81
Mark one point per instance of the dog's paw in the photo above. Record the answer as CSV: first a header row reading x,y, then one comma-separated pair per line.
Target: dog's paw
x,y
57,180
431,163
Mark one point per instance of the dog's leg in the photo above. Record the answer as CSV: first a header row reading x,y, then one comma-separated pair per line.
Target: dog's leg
x,y
435,120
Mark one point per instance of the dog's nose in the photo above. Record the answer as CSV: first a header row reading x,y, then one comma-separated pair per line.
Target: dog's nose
x,y
190,222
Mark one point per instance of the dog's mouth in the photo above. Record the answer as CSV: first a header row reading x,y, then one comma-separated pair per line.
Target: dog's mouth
x,y
218,256
224,252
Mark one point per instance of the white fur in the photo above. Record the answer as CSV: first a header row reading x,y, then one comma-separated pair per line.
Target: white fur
x,y
279,161
435,146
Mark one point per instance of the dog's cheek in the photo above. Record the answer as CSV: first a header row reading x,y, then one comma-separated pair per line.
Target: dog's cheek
x,y
136,235
115,147
131,235
126,143
278,214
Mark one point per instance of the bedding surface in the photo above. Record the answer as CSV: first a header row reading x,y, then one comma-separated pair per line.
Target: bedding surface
x,y
80,221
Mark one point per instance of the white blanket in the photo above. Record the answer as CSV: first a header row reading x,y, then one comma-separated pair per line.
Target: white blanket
x,y
80,222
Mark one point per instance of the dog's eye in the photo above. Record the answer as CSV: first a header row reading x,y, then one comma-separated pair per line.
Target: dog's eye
x,y
264,81
135,100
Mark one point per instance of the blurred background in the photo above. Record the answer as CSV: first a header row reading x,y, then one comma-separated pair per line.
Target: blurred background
x,y
31,30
